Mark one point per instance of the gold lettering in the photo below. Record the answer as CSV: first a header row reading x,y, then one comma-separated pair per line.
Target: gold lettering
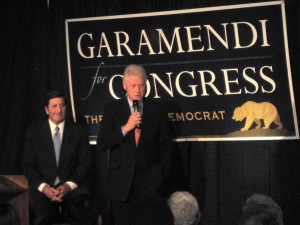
x,y
198,115
93,119
206,115
180,117
171,116
189,116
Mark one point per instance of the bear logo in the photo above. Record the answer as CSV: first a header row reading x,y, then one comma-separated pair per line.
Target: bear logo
x,y
255,112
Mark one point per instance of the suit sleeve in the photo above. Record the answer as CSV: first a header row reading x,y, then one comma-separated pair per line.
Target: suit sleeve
x,y
84,159
30,162
110,133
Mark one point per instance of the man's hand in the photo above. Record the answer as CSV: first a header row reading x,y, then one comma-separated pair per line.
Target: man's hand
x,y
134,119
51,193
63,190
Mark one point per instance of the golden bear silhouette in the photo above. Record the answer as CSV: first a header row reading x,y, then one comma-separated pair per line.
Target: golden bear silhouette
x,y
255,112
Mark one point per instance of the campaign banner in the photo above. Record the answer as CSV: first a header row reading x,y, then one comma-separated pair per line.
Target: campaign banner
x,y
222,73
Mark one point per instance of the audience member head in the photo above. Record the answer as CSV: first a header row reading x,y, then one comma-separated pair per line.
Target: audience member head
x,y
185,208
260,209
154,211
8,215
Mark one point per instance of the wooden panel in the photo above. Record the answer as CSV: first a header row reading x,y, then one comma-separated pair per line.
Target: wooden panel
x,y
15,190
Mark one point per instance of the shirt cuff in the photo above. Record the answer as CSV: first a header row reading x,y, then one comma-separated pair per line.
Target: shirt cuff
x,y
123,132
72,185
41,187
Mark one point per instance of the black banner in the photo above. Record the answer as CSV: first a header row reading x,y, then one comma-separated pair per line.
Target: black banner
x,y
222,72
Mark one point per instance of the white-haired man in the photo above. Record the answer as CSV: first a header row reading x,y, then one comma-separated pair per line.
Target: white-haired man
x,y
185,208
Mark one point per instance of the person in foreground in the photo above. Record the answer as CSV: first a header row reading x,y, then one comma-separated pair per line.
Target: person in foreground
x,y
260,209
185,208
137,168
56,162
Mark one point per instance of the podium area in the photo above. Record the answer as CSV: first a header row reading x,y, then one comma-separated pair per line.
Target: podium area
x,y
13,189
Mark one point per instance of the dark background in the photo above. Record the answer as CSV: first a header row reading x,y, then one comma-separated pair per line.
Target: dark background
x,y
220,174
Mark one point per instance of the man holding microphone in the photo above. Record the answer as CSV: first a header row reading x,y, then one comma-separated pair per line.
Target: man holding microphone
x,y
136,131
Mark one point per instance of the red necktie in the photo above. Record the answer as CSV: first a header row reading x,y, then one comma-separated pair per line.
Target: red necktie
x,y
137,134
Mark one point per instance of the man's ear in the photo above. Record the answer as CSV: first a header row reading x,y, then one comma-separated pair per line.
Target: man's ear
x,y
124,86
46,110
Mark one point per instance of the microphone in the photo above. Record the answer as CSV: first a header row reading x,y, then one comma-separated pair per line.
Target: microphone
x,y
135,104
136,108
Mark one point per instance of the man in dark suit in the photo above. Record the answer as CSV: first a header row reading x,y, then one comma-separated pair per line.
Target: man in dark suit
x,y
136,170
55,178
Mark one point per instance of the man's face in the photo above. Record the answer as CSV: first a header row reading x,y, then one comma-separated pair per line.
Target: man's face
x,y
56,110
135,87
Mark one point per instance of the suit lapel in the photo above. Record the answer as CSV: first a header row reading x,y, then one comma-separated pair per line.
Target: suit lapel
x,y
48,142
64,144
145,117
125,108
124,113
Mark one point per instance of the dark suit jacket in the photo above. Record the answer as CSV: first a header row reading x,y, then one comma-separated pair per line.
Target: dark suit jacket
x,y
151,159
39,157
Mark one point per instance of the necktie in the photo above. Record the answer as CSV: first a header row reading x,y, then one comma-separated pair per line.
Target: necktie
x,y
56,141
137,134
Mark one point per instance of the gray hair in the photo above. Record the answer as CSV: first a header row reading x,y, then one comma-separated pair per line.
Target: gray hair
x,y
261,209
185,208
134,70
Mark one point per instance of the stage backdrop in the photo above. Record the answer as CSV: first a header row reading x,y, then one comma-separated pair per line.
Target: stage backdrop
x,y
223,73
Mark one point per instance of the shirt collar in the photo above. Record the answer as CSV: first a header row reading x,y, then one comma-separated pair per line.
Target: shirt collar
x,y
61,126
130,102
